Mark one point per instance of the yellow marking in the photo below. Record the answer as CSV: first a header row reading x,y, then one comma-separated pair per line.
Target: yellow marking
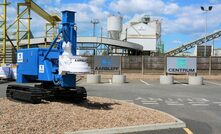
x,y
188,131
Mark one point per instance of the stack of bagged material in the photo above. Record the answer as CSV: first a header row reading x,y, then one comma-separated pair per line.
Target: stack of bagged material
x,y
5,73
13,71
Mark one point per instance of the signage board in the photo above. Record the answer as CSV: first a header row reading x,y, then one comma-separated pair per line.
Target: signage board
x,y
106,63
181,65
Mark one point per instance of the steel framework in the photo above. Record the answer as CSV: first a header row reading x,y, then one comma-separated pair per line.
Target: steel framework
x,y
30,5
4,26
22,29
50,32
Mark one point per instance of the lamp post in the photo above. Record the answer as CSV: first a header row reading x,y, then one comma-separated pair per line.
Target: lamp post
x,y
206,10
94,22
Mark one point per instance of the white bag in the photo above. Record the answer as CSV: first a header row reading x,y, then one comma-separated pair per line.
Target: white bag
x,y
5,72
72,64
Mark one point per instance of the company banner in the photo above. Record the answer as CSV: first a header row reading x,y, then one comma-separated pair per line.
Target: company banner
x,y
181,65
106,63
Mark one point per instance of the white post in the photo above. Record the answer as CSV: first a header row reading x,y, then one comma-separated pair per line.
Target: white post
x,y
205,34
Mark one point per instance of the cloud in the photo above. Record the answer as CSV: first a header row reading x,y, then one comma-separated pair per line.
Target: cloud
x,y
97,2
188,20
42,2
85,12
171,8
58,2
153,7
214,1
191,20
176,42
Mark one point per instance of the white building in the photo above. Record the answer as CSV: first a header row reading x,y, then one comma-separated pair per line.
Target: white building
x,y
144,31
217,52
114,26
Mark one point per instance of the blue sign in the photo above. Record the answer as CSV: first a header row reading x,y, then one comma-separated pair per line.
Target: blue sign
x,y
106,62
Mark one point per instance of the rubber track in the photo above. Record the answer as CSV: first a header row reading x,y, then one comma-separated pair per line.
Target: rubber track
x,y
36,94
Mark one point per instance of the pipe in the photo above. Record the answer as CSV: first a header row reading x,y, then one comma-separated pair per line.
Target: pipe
x,y
17,27
52,44
29,25
4,33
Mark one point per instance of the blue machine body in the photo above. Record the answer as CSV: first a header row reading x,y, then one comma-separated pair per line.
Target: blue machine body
x,y
41,64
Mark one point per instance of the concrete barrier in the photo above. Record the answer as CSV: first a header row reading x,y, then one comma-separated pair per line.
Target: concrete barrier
x,y
195,80
119,79
166,79
93,78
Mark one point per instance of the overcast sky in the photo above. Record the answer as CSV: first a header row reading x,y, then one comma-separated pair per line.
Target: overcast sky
x,y
183,20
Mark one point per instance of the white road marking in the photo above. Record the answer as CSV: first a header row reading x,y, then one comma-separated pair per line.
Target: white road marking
x,y
205,99
171,102
196,102
169,99
140,98
217,102
128,100
189,99
147,101
212,83
145,82
176,101
179,99
181,83
155,99
175,104
200,104
150,103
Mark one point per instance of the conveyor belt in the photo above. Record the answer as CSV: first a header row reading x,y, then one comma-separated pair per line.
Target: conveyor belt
x,y
194,43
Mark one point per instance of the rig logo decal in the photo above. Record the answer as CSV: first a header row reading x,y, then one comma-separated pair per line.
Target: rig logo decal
x,y
20,57
181,63
106,62
41,68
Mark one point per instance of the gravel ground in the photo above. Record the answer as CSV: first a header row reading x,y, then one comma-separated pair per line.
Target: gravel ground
x,y
60,117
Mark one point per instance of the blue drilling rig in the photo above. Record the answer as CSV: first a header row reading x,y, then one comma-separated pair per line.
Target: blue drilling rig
x,y
54,68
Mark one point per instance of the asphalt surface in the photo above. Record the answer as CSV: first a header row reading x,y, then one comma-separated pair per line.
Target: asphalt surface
x,y
198,106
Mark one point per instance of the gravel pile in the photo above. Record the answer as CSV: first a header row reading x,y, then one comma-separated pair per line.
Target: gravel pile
x,y
60,117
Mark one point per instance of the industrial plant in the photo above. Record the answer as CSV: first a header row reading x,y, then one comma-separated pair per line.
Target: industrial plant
x,y
54,80
141,36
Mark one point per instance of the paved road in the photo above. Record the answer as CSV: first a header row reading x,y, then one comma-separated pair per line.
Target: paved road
x,y
3,86
198,106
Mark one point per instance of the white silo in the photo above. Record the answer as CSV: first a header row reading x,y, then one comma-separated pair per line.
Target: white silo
x,y
114,26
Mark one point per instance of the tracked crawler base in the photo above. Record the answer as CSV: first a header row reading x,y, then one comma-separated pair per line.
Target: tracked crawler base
x,y
38,93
